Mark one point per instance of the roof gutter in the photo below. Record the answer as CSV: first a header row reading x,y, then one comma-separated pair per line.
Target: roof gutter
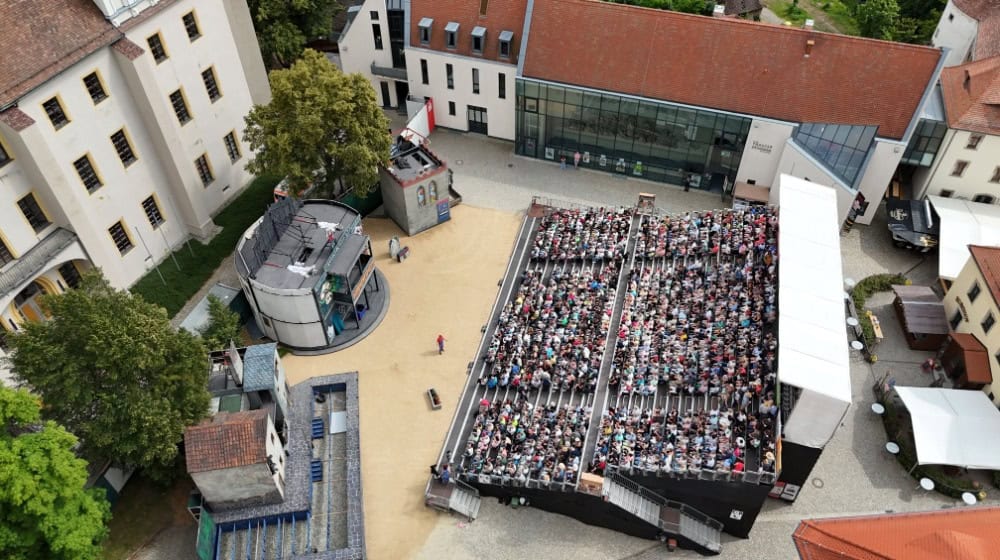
x,y
524,38
928,91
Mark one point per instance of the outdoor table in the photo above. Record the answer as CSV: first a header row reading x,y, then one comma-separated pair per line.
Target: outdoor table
x,y
927,484
852,322
878,409
969,498
892,447
857,345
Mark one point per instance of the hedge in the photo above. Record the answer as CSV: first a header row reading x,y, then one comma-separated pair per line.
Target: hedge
x,y
866,288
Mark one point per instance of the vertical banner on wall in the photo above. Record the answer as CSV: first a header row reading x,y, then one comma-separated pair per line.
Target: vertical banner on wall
x,y
444,210
430,115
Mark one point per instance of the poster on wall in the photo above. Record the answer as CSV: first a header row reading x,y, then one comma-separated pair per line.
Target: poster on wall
x,y
637,169
586,157
550,153
444,210
603,162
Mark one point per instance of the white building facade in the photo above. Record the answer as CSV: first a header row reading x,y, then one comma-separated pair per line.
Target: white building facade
x,y
119,140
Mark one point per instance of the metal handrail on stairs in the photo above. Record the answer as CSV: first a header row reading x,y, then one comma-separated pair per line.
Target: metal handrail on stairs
x,y
680,507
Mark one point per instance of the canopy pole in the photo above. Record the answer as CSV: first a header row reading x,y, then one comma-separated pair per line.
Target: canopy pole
x,y
915,463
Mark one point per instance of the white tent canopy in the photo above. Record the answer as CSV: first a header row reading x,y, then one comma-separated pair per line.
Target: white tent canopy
x,y
953,427
963,223
812,333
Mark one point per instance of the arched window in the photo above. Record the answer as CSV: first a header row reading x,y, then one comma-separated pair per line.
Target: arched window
x,y
433,188
421,196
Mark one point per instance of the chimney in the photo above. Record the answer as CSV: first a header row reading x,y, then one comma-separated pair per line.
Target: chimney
x,y
809,47
808,25
719,11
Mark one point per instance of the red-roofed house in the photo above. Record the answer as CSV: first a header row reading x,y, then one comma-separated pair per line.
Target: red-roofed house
x,y
969,29
654,94
236,458
954,534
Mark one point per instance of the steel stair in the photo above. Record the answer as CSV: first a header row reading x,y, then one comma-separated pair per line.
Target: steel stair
x,y
465,502
667,515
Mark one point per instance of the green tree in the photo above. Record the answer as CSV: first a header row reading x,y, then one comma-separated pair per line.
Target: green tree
x,y
45,512
877,18
110,368
284,26
322,127
223,325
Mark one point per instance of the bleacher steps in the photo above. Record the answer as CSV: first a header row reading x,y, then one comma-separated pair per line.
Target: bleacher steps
x,y
709,537
464,502
637,505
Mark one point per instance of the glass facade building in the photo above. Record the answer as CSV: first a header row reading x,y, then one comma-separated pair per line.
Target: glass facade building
x,y
841,147
620,134
925,143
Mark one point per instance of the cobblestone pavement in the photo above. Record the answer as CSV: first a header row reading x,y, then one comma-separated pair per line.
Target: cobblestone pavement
x,y
853,476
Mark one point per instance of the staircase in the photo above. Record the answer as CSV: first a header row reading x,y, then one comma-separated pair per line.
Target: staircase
x,y
668,516
457,497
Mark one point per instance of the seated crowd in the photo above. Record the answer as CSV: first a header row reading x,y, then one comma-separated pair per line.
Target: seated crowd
x,y
699,329
591,233
552,334
518,440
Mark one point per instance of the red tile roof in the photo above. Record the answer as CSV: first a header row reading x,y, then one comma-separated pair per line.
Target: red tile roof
x,y
971,94
975,357
729,64
988,261
955,534
230,439
40,39
501,15
978,9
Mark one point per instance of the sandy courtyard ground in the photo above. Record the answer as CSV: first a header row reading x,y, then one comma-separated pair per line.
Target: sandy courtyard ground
x,y
447,286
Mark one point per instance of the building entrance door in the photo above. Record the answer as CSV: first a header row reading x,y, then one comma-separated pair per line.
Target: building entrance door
x,y
402,92
386,101
477,120
27,302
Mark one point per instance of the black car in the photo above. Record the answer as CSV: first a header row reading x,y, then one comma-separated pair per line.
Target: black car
x,y
913,224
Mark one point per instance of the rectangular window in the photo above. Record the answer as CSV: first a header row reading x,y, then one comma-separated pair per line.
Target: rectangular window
x,y
88,175
70,274
191,26
475,80
425,30
478,39
124,149
451,35
5,254
956,319
450,74
506,37
377,33
152,211
94,87
945,193
960,167
424,77
204,169
994,179
33,213
5,157
55,113
373,14
120,237
973,292
988,322
155,43
974,140
180,107
232,147
211,86
503,85
451,108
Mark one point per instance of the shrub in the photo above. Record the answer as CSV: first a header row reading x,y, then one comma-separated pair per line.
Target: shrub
x,y
866,288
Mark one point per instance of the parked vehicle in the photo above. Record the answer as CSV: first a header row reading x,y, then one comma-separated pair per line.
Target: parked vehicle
x,y
913,224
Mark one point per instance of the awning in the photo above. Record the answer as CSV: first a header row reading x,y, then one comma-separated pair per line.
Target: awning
x,y
812,334
953,427
923,312
963,223
977,361
755,193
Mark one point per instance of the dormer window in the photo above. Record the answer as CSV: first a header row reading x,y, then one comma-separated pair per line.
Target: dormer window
x,y
478,39
451,35
506,38
425,30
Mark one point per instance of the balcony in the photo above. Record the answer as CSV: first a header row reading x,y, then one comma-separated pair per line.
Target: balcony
x,y
38,259
394,73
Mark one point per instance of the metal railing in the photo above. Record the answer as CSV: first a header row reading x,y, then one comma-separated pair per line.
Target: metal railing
x,y
746,477
388,72
684,509
36,259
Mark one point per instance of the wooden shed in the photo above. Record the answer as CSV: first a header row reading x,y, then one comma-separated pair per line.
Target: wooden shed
x,y
921,315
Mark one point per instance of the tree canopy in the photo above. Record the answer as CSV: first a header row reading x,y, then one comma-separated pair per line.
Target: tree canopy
x,y
284,26
109,367
877,18
223,325
322,127
45,512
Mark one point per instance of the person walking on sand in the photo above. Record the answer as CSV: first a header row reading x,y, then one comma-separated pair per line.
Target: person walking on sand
x,y
576,160
440,341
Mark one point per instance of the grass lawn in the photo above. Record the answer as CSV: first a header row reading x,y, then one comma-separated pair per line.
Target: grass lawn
x,y
197,268
143,511
839,13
